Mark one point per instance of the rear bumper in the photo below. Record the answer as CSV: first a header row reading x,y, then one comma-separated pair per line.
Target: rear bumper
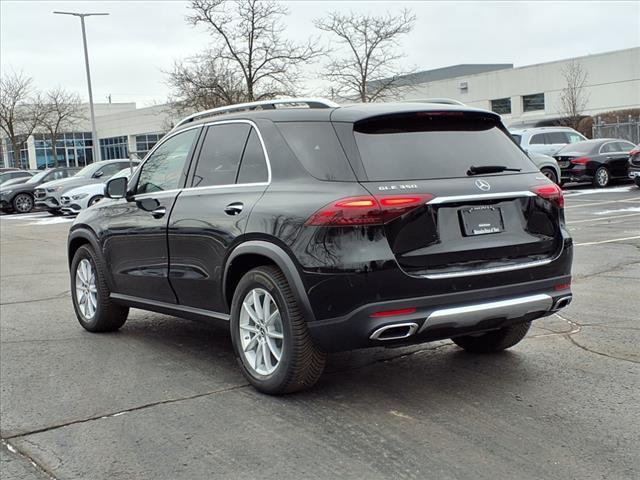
x,y
442,316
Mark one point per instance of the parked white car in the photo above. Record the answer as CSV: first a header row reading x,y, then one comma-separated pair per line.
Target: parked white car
x,y
79,198
545,140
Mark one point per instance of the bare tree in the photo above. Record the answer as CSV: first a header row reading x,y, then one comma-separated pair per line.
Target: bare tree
x,y
62,110
250,44
205,82
20,111
369,69
573,98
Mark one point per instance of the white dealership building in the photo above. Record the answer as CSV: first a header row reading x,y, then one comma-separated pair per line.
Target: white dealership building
x,y
524,95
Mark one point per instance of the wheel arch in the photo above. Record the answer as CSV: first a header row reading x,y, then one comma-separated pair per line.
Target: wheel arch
x,y
81,236
254,253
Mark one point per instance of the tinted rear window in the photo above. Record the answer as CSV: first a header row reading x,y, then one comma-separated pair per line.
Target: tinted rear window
x,y
316,146
426,146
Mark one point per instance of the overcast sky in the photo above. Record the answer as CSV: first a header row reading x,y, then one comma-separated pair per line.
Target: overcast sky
x,y
130,48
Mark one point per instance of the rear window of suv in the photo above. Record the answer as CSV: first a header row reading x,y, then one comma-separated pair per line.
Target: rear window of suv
x,y
426,145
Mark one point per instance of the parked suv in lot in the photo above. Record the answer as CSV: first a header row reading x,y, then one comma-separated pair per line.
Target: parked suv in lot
x,y
545,140
321,229
49,194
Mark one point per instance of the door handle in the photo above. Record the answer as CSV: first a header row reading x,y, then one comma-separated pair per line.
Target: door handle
x,y
234,208
159,212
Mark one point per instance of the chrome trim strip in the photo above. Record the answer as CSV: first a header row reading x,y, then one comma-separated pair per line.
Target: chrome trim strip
x,y
486,271
210,187
147,303
412,329
480,196
475,313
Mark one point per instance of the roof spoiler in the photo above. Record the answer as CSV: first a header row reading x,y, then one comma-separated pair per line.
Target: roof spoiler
x,y
443,101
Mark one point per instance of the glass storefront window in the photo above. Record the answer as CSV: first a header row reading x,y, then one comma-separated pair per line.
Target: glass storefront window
x,y
114,147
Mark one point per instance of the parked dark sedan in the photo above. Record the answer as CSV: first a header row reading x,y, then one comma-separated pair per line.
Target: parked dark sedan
x,y
19,198
598,161
634,165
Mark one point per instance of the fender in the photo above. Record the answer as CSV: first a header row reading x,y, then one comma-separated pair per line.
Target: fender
x,y
278,255
89,235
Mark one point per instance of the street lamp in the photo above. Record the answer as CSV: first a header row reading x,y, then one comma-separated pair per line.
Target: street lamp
x,y
94,136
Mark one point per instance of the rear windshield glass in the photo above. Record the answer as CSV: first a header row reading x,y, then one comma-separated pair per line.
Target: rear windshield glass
x,y
427,145
316,146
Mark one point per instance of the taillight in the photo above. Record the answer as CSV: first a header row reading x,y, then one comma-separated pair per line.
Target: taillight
x,y
367,210
580,161
552,192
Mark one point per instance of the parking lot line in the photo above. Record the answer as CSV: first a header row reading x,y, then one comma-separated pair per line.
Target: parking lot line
x,y
599,203
598,219
606,241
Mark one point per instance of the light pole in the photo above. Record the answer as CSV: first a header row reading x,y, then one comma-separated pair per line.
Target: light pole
x,y
94,136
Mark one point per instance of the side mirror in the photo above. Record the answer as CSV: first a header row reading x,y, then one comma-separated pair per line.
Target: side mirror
x,y
98,174
116,188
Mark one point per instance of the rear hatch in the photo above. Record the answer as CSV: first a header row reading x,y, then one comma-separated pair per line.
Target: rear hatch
x,y
456,219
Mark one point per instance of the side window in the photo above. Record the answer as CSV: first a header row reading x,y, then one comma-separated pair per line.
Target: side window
x,y
574,137
220,155
624,147
108,170
58,174
253,168
537,139
163,169
608,147
557,137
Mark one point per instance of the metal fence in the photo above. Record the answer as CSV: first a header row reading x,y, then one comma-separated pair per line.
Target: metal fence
x,y
628,129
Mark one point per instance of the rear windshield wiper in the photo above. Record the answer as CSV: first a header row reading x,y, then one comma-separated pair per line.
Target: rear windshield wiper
x,y
473,170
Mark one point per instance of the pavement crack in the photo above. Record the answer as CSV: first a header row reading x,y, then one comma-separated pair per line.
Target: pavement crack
x,y
56,297
577,328
16,451
126,410
596,352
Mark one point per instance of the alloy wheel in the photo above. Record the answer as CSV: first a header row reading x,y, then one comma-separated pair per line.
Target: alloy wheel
x,y
23,203
86,290
261,332
602,177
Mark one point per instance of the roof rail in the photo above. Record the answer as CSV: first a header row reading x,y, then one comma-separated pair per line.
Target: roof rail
x,y
263,104
445,101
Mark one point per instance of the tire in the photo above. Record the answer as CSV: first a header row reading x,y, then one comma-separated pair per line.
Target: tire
x,y
95,200
107,316
301,363
637,181
22,203
602,177
55,212
550,174
494,341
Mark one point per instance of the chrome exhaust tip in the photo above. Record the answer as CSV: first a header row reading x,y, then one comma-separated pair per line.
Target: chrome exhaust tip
x,y
562,302
394,331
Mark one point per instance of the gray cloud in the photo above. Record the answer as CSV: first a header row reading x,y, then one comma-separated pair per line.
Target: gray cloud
x,y
130,48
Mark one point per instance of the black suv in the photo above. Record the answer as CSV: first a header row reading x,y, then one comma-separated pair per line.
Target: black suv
x,y
327,228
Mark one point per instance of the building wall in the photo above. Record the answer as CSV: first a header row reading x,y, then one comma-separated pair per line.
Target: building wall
x,y
613,84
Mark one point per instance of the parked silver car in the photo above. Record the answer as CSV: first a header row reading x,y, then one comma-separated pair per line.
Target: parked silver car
x,y
545,140
547,165
48,194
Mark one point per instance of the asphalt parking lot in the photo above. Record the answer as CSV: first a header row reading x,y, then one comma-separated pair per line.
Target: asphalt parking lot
x,y
163,398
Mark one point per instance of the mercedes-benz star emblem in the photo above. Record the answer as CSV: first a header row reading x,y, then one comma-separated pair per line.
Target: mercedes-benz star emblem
x,y
483,185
